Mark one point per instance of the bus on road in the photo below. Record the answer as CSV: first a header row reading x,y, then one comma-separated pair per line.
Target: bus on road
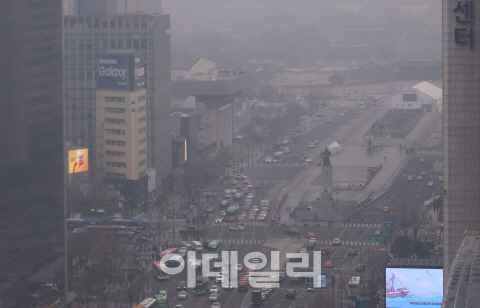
x,y
214,246
278,157
201,285
157,269
168,251
147,303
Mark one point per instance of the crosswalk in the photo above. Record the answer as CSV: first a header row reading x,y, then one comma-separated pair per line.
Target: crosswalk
x,y
286,164
349,243
246,223
242,242
430,152
360,225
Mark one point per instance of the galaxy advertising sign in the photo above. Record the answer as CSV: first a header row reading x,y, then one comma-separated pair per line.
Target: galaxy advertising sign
x,y
120,72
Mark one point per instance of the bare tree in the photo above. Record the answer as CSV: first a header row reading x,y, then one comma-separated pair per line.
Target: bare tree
x,y
410,221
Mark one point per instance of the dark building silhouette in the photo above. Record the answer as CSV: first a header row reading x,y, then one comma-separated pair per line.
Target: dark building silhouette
x,y
31,135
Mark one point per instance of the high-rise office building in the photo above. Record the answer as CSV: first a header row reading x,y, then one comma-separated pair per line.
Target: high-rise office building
x,y
121,122
31,146
461,124
87,36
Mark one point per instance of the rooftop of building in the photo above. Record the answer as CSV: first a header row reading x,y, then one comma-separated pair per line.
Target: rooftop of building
x,y
184,64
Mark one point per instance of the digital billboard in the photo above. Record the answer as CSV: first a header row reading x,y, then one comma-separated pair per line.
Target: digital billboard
x,y
120,72
413,287
77,161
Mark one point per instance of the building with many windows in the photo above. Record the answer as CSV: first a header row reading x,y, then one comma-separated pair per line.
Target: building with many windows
x,y
85,36
31,149
461,151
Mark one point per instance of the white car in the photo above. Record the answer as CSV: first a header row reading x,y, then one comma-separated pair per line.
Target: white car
x,y
336,242
419,178
430,184
311,145
440,178
426,203
312,240
223,213
341,114
249,185
182,295
182,250
215,305
303,250
250,196
233,191
308,160
423,172
218,219
237,228
262,217
219,278
80,230
410,178
213,297
227,191
192,259
214,288
268,160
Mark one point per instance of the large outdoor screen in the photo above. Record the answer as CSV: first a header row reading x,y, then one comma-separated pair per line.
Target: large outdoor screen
x,y
78,161
413,287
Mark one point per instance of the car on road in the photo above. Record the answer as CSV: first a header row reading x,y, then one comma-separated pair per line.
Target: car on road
x,y
219,278
182,250
362,107
421,161
233,191
410,178
250,196
178,306
182,286
213,297
291,231
352,252
234,182
355,112
325,251
311,145
228,286
303,250
328,264
360,268
80,230
214,288
312,240
268,160
336,242
311,245
209,209
246,181
419,178
216,305
423,172
223,213
385,209
427,203
430,184
251,217
258,186
440,178
237,228
341,114
308,160
182,295
231,219
248,202
262,217
309,235
249,185
291,294
227,191
218,219
239,267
